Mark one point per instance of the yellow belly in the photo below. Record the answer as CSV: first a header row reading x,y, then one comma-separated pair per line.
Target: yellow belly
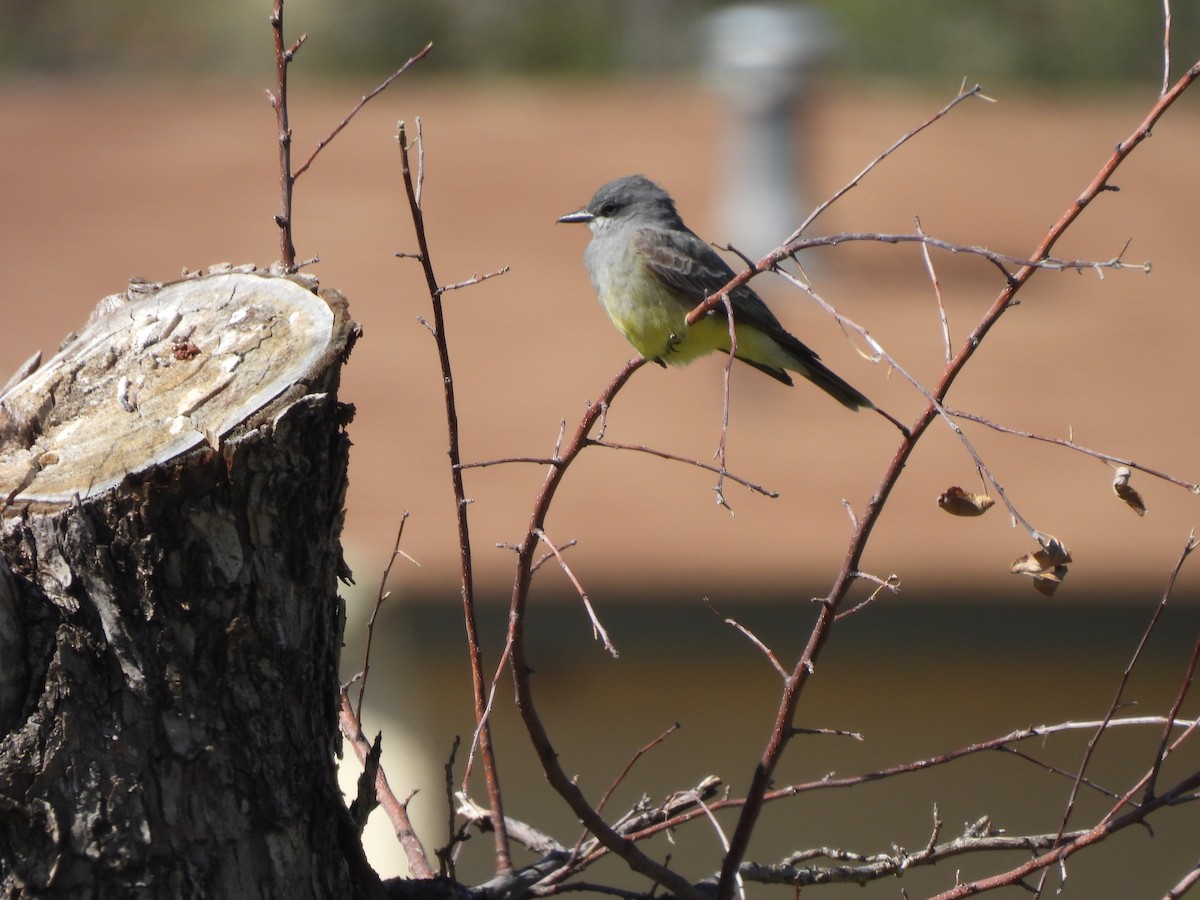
x,y
654,321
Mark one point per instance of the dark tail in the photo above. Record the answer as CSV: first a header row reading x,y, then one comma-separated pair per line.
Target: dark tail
x,y
808,365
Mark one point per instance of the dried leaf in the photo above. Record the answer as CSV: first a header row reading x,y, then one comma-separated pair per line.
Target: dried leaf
x,y
958,502
1048,584
1047,566
1127,492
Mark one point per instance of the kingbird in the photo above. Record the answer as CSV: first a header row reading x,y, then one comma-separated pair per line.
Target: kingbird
x,y
650,270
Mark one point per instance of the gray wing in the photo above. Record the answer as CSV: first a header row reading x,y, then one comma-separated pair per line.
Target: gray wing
x,y
693,270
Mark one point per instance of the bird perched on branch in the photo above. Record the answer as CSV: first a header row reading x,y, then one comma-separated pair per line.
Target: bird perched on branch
x,y
650,270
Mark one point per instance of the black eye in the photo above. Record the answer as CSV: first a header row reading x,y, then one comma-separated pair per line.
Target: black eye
x,y
608,209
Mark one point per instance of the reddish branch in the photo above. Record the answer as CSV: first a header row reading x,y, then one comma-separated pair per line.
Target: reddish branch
x,y
566,786
1071,445
278,99
623,843
621,839
362,101
1108,825
478,682
782,731
283,58
1119,697
397,812
380,597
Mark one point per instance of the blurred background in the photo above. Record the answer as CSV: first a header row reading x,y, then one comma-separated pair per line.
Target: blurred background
x,y
135,140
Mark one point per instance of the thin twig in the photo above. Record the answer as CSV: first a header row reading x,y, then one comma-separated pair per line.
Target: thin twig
x,y
1058,853
420,161
397,812
730,357
663,454
454,835
1166,81
880,353
279,100
919,765
473,280
861,868
937,291
754,639
830,732
891,583
380,597
466,572
1071,445
546,557
1118,696
597,627
1058,770
552,768
537,460
963,94
772,752
1116,703
1185,884
624,773
366,98
720,832
1185,684
1001,261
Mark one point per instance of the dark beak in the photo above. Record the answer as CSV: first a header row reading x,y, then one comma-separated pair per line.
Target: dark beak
x,y
581,216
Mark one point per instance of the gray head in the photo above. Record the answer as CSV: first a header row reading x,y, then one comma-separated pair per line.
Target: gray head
x,y
634,197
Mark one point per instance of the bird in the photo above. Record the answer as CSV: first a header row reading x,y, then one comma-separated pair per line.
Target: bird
x,y
649,270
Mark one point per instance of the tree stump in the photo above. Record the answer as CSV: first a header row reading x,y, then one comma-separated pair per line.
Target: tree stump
x,y
172,486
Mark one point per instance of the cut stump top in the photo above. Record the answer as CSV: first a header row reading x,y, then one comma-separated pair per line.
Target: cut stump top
x,y
155,372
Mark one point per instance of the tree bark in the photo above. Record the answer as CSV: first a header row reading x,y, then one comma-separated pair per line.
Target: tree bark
x,y
171,625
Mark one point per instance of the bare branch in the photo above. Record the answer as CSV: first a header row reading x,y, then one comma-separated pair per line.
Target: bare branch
x,y
466,572
380,597
937,291
473,280
963,94
1189,675
1166,81
1002,261
546,557
830,732
1185,884
624,773
1119,694
753,638
725,383
978,837
1058,853
397,812
279,101
363,101
537,460
522,832
639,822
891,583
597,628
1071,445
663,454
546,754
881,354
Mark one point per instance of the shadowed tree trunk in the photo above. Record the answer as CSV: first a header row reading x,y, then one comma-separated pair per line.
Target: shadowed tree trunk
x,y
172,486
